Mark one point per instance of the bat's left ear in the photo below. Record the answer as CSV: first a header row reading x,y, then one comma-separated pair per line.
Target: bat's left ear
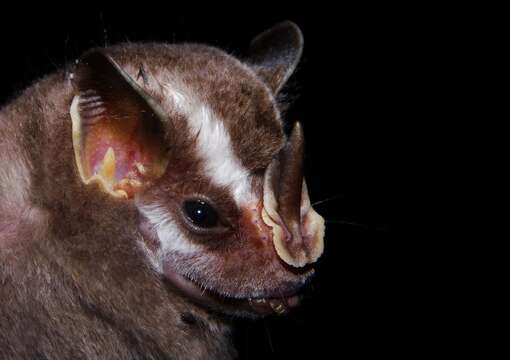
x,y
118,131
275,53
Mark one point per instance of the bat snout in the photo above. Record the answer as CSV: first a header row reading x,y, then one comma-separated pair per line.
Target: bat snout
x,y
297,230
297,243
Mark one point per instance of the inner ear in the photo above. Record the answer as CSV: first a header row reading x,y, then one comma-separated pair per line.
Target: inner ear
x,y
275,53
118,134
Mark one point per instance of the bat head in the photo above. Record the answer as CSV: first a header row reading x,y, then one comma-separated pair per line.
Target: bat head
x,y
193,137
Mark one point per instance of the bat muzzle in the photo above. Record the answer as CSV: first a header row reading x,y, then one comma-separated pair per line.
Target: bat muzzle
x,y
298,231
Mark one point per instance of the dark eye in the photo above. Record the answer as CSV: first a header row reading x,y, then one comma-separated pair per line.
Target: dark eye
x,y
201,213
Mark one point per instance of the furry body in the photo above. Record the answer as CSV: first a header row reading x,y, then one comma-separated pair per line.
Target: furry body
x,y
88,275
79,289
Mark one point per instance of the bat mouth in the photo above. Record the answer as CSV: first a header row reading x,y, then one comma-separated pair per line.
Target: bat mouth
x,y
271,304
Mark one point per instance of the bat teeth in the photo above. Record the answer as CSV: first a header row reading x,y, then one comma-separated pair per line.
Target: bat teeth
x,y
257,301
278,307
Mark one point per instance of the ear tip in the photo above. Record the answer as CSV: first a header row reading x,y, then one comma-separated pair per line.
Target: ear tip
x,y
287,30
291,27
94,56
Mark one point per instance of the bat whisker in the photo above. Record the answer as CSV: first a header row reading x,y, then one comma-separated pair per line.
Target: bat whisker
x,y
338,196
382,228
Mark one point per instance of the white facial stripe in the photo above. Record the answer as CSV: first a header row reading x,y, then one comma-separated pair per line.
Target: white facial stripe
x,y
180,99
171,238
214,145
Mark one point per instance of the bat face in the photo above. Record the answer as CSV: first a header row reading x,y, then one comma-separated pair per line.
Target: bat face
x,y
194,139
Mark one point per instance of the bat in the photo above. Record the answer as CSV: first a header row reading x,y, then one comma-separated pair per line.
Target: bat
x,y
148,193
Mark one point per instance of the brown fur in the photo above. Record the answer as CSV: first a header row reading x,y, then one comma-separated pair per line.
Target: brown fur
x,y
74,282
64,294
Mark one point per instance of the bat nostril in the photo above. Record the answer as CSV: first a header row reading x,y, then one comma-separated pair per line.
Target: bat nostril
x,y
298,243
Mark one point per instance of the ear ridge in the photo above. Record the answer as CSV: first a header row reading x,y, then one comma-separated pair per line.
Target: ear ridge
x,y
275,53
118,137
91,106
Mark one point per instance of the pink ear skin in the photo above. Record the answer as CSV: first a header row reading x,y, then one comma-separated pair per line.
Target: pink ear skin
x,y
297,230
118,137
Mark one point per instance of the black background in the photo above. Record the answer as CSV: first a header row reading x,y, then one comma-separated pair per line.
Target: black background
x,y
345,91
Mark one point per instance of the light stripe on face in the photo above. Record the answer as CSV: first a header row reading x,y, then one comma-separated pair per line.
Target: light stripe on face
x,y
171,237
221,166
213,144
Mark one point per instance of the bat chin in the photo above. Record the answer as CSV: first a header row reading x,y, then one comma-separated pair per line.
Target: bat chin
x,y
251,307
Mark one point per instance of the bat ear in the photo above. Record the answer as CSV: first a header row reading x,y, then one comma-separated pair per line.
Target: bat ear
x,y
275,53
118,133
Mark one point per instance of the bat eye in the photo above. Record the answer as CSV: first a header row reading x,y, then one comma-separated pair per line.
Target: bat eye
x,y
200,213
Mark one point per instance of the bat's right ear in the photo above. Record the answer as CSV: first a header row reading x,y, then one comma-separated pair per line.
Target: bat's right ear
x,y
275,53
118,131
